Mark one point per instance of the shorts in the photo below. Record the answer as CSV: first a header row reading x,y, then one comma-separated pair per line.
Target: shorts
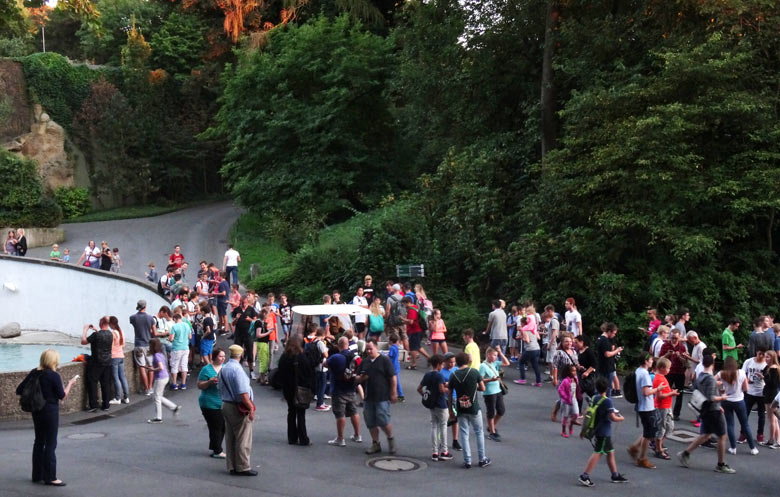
x,y
648,424
398,330
179,360
664,423
206,346
222,309
714,423
494,404
376,413
572,409
360,327
142,357
415,341
375,335
344,405
438,340
603,445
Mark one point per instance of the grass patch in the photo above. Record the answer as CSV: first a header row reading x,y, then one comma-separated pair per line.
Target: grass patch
x,y
137,211
249,238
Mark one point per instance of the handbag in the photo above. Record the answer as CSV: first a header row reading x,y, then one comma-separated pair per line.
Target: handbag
x,y
303,397
697,401
504,388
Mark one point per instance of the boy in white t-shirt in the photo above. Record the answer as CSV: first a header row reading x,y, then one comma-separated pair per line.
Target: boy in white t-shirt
x,y
754,370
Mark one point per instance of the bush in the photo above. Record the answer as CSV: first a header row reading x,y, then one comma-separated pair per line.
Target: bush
x,y
74,202
45,214
16,47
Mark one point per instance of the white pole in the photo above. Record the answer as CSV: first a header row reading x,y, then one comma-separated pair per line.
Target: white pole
x,y
43,36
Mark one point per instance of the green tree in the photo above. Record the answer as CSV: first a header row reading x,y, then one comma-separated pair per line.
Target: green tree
x,y
179,45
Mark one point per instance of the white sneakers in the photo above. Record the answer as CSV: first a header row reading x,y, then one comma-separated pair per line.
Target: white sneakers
x,y
114,401
753,451
338,442
357,439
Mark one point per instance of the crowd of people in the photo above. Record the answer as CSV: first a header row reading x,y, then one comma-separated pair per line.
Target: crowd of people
x,y
354,359
15,243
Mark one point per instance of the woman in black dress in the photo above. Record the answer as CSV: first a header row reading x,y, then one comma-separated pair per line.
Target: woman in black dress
x,y
47,419
105,257
295,370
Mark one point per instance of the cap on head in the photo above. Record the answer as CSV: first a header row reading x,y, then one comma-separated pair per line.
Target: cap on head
x,y
396,287
140,305
236,350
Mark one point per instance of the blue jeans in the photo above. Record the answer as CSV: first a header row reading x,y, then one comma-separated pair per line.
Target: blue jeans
x,y
322,381
498,344
533,356
398,383
120,382
286,331
610,378
232,274
730,409
474,421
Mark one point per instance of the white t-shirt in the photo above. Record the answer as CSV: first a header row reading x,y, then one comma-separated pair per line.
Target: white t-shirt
x,y
697,352
232,256
755,382
572,318
734,390
361,301
91,254
656,347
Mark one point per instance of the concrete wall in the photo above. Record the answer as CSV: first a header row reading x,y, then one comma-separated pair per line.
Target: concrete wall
x,y
38,237
64,297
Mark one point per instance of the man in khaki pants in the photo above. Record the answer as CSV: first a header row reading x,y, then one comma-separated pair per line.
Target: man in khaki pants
x,y
236,390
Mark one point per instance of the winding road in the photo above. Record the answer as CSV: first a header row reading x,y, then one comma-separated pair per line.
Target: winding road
x,y
202,233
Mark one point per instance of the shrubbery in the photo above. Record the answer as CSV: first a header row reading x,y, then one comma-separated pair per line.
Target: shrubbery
x,y
74,202
21,195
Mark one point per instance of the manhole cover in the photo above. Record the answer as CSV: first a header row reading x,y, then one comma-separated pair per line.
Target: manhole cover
x,y
85,436
683,436
393,463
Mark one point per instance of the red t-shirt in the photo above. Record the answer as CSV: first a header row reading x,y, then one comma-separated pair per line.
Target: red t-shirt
x,y
665,403
653,325
176,259
678,363
411,313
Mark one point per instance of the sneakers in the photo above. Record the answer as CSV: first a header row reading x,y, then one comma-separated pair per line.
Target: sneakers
x,y
725,468
753,451
322,408
338,442
253,375
456,445
733,452
356,438
92,410
564,434
154,421
537,384
683,457
176,410
742,439
760,438
466,465
709,444
696,424
174,386
493,437
616,394
585,480
114,401
645,463
520,382
391,444
485,462
126,400
148,392
618,478
374,449
183,386
445,456
326,396
434,457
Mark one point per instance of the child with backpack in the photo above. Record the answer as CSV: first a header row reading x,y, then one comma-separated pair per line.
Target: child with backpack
x,y
597,427
570,408
433,389
393,355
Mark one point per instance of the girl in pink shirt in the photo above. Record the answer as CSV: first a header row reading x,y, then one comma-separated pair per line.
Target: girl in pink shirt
x,y
117,363
438,333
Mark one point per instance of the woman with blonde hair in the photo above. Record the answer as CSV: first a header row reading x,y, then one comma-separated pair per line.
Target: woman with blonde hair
x,y
47,419
376,321
771,387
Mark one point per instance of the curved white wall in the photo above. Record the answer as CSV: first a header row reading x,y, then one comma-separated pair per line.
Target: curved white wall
x,y
63,297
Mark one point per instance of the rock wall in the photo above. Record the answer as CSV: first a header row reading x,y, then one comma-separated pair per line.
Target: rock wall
x,y
15,112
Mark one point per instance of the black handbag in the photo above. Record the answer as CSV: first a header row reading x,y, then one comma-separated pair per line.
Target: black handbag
x,y
303,395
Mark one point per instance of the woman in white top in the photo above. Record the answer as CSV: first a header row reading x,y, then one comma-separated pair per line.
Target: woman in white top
x,y
734,382
90,256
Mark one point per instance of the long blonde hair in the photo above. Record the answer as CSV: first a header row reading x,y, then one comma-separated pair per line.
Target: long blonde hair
x,y
419,292
376,308
50,359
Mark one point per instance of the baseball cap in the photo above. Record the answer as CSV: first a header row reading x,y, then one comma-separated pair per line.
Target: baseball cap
x,y
140,305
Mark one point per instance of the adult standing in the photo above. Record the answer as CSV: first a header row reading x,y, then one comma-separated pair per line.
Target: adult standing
x,y
395,313
344,402
118,363
360,318
99,364
144,328
552,329
675,351
761,338
588,365
90,256
573,318
243,315
238,409
211,403
368,289
378,374
564,358
730,347
606,352
21,243
496,326
176,259
221,294
295,370
105,256
230,264
683,317
47,420
10,243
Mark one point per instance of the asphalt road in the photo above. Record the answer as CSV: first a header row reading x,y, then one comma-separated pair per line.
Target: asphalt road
x,y
201,231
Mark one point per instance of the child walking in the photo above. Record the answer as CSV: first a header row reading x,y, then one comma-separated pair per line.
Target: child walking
x,y
606,414
393,355
160,380
567,391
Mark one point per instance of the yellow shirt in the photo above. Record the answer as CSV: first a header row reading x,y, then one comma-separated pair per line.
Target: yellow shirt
x,y
473,350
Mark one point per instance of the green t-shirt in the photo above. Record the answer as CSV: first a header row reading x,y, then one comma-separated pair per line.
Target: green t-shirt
x,y
181,337
209,398
55,254
728,339
464,383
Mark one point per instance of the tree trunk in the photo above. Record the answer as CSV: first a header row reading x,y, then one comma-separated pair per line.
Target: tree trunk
x,y
549,121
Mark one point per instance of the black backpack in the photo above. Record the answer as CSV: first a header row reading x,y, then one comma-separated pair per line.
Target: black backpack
x,y
430,398
629,388
31,399
314,354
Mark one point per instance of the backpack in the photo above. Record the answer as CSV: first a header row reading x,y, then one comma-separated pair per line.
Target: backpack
x,y
397,311
629,388
430,399
353,366
31,399
313,353
422,318
589,421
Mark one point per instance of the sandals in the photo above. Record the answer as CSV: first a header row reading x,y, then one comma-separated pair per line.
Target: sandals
x,y
662,455
411,367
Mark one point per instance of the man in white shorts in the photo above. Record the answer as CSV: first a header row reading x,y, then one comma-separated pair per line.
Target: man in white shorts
x,y
181,333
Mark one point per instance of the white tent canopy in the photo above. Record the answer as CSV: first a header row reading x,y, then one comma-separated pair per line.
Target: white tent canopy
x,y
329,309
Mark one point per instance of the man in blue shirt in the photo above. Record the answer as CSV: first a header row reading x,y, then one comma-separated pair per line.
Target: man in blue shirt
x,y
236,391
344,394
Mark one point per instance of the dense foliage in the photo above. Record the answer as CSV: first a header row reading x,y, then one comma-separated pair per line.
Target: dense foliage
x,y
22,202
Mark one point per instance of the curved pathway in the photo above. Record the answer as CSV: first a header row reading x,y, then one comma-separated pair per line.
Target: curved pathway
x,y
202,233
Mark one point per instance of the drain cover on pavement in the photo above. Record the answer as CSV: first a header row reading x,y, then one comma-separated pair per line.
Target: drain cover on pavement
x,y
683,436
85,436
394,463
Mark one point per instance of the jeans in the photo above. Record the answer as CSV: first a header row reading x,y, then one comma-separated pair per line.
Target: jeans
x,y
474,421
120,382
677,382
98,373
756,400
44,461
322,381
533,356
232,274
159,398
610,379
439,419
286,328
730,409
216,424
